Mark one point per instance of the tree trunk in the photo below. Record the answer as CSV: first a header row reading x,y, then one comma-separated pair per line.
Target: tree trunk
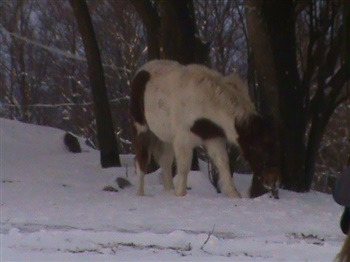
x,y
281,24
263,60
314,141
105,132
151,20
271,26
261,57
177,31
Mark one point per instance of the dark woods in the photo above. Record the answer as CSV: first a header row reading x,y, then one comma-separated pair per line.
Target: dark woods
x,y
295,55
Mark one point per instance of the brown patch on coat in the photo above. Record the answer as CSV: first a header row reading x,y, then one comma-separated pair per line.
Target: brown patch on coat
x,y
206,129
137,94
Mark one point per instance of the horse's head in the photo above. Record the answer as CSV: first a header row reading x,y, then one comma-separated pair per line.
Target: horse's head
x,y
259,143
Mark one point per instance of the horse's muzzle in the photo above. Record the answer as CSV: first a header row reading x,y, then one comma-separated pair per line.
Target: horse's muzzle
x,y
270,179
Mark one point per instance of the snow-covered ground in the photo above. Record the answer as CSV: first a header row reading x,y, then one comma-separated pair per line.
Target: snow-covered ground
x,y
53,208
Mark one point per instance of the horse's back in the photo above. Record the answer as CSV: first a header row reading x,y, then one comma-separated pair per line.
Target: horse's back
x,y
176,96
158,68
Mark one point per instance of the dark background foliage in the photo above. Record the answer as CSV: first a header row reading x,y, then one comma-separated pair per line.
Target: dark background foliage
x,y
295,56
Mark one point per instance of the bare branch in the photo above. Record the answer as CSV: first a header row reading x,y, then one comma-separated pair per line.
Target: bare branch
x,y
209,235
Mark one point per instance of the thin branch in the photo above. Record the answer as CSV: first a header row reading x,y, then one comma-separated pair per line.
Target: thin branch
x,y
243,23
116,100
209,235
55,50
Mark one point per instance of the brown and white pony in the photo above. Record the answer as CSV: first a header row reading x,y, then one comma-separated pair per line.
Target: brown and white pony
x,y
176,108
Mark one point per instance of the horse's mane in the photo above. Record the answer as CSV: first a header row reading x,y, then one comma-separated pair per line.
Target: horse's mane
x,y
238,96
230,92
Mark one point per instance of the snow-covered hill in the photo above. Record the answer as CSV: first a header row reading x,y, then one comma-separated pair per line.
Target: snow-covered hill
x,y
53,208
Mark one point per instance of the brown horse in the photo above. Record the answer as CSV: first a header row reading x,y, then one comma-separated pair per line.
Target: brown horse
x,y
176,108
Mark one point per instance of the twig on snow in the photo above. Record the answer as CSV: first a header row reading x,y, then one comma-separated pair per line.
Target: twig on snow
x,y
209,235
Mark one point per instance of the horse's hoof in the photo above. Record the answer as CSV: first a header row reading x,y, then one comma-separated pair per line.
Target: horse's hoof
x,y
233,194
140,193
180,193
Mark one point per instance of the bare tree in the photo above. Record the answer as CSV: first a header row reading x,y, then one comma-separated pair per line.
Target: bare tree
x,y
301,98
222,26
105,132
55,78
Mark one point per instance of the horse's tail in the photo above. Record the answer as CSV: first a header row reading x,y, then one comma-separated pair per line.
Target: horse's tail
x,y
137,99
344,254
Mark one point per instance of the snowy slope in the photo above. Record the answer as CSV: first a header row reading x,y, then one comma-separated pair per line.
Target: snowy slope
x,y
53,208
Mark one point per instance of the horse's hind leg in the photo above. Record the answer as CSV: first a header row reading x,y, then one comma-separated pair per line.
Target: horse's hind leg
x,y
142,154
183,149
164,155
217,152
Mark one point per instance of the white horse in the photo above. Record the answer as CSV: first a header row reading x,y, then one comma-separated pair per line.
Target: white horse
x,y
176,108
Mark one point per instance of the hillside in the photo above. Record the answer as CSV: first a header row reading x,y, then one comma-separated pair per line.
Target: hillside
x,y
53,208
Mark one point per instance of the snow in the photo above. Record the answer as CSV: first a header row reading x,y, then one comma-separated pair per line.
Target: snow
x,y
53,208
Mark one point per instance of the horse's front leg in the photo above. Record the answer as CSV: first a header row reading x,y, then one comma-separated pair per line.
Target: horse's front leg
x,y
217,152
183,149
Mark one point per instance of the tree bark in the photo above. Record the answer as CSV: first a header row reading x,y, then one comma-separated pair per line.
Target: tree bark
x,y
281,23
261,50
272,38
315,137
151,21
109,155
261,57
177,31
